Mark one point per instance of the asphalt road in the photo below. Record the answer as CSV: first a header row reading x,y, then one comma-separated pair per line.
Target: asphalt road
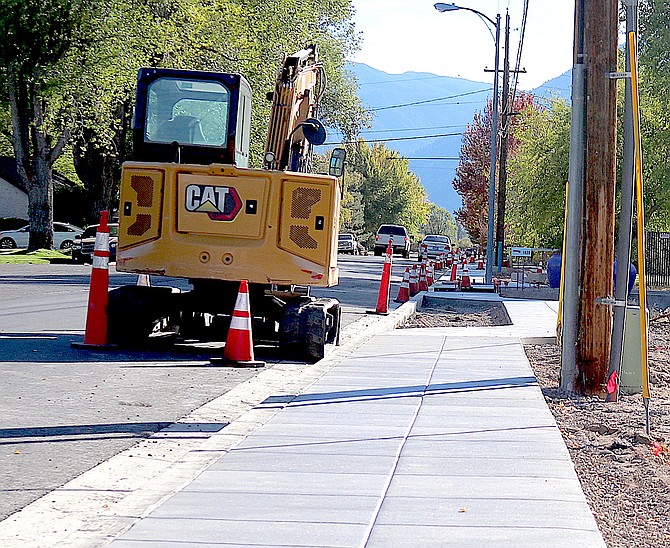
x,y
63,410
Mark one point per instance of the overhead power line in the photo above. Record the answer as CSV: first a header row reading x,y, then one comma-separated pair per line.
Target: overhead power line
x,y
423,158
431,100
519,51
410,129
394,139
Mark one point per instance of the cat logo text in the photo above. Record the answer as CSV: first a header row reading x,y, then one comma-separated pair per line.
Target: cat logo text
x,y
221,203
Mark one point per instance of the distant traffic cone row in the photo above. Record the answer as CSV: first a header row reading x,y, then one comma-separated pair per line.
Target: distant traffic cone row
x,y
239,349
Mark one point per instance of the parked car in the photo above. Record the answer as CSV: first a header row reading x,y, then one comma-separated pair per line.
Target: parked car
x,y
399,239
347,243
82,250
64,236
433,245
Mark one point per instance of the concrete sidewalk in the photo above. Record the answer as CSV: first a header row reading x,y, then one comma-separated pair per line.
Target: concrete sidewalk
x,y
419,437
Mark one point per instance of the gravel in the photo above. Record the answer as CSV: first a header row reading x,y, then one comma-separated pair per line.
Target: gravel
x,y
625,473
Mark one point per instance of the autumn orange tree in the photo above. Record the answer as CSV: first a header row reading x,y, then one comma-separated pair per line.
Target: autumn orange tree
x,y
472,174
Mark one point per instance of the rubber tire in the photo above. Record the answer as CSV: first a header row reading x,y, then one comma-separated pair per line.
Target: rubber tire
x,y
133,311
7,243
378,253
66,244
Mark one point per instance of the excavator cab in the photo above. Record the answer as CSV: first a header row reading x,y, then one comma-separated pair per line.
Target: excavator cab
x,y
192,117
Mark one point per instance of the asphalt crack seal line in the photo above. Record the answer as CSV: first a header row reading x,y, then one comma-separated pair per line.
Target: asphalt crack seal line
x,y
99,505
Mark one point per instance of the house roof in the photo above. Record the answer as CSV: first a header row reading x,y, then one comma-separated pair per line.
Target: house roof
x,y
9,173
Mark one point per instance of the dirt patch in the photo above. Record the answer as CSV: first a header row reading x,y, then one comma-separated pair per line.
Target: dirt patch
x,y
459,313
625,474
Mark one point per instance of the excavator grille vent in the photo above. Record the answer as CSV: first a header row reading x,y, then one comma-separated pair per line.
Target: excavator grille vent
x,y
144,187
140,226
302,201
300,236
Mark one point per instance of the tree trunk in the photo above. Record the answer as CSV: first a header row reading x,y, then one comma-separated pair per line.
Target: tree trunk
x,y
33,158
40,206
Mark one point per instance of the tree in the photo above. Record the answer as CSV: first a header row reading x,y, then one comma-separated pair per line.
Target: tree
x,y
38,34
219,35
538,172
472,175
391,193
654,44
440,221
473,171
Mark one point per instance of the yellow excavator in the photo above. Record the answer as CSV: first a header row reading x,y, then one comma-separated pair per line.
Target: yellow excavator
x,y
190,207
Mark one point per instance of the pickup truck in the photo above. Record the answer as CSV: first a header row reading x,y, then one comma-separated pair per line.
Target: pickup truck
x,y
399,239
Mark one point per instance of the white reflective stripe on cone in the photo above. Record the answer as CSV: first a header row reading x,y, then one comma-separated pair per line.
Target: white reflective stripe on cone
x,y
242,302
241,323
100,262
102,241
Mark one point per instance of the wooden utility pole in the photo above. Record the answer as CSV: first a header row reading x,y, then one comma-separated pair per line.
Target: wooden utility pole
x,y
507,107
504,140
600,19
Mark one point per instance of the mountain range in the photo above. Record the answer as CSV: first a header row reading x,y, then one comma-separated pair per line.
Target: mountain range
x,y
423,116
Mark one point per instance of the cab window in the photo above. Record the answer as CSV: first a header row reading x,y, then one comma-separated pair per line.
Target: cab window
x,y
190,112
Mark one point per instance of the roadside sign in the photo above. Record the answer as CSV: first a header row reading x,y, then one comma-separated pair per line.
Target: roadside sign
x,y
521,252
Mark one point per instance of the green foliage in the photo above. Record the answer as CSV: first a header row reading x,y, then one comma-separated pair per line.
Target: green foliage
x,y
473,173
390,192
86,54
654,98
440,221
536,178
540,168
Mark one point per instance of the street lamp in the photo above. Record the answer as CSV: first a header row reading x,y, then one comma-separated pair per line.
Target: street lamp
x,y
442,7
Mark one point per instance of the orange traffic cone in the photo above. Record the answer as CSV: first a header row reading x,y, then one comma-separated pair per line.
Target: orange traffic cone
x,y
96,316
430,275
143,280
413,282
403,293
239,349
465,279
423,283
454,272
480,264
385,285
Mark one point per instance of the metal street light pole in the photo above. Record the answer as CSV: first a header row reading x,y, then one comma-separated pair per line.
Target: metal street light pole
x,y
442,7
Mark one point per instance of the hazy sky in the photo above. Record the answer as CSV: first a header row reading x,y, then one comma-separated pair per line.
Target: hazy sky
x,y
410,35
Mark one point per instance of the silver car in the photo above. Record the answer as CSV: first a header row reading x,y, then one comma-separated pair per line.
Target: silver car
x,y
64,235
433,245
